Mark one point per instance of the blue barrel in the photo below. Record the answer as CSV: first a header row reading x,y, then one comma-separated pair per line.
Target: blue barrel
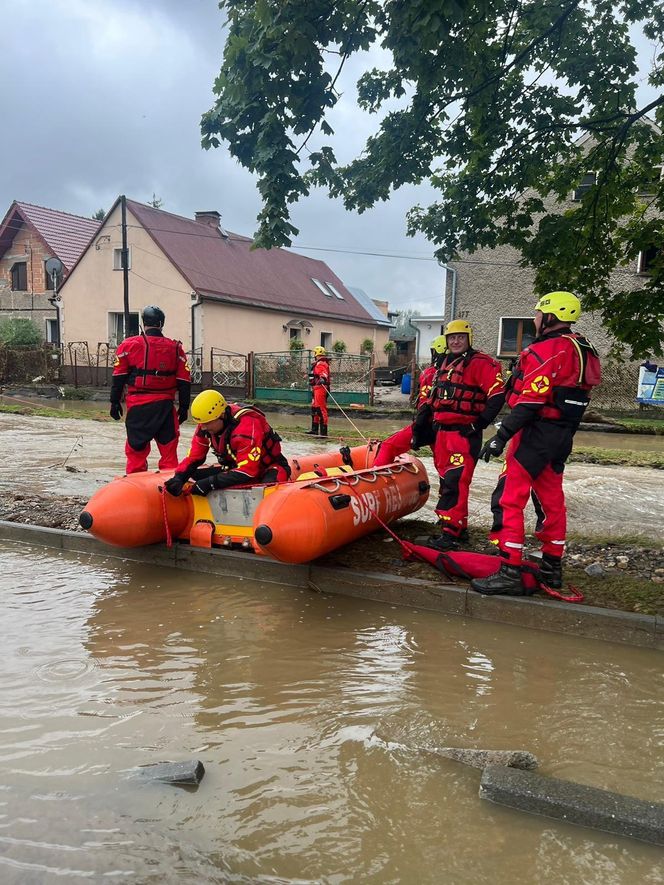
x,y
405,383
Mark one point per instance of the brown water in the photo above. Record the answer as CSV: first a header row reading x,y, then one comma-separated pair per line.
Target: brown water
x,y
374,427
308,713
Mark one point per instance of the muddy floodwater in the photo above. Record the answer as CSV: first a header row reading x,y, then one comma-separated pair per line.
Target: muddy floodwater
x,y
313,716
65,456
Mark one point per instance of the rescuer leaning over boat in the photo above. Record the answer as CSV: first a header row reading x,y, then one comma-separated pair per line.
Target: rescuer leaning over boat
x,y
247,448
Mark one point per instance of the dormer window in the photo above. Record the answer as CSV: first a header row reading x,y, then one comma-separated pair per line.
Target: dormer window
x,y
651,183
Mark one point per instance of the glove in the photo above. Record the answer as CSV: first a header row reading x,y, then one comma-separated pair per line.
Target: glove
x,y
182,414
203,487
115,411
175,484
470,430
493,448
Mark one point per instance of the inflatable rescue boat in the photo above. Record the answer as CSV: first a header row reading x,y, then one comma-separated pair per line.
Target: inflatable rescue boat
x,y
332,499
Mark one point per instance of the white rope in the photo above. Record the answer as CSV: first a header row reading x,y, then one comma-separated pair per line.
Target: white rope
x,y
347,416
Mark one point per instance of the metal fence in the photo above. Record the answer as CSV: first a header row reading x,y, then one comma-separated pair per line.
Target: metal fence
x,y
229,372
284,375
617,392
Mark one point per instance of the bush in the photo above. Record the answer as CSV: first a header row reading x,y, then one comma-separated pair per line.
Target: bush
x,y
296,344
16,332
389,347
339,347
367,346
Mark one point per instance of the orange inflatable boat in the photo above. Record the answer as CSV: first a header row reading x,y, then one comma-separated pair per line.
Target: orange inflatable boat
x,y
330,503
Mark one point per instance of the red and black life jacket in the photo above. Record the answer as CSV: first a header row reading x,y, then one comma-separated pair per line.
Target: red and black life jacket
x,y
452,394
270,443
156,370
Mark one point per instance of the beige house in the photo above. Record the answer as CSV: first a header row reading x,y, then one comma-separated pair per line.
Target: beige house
x,y
216,291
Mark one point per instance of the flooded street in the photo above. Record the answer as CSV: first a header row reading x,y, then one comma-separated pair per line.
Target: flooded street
x,y
76,456
307,712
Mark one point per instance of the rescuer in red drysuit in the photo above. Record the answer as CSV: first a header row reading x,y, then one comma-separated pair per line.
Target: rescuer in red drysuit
x,y
247,448
467,394
319,379
548,394
153,368
420,431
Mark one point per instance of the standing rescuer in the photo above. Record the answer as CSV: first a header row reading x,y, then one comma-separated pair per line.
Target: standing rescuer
x,y
153,368
247,448
319,379
548,393
420,432
467,394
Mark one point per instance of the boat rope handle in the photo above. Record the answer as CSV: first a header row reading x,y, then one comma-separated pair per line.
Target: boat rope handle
x,y
169,537
574,596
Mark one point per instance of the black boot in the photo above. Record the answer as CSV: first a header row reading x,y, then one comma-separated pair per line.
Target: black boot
x,y
551,571
314,429
323,429
506,581
443,542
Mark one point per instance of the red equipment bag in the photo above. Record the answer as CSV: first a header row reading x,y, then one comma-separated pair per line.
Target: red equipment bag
x,y
467,565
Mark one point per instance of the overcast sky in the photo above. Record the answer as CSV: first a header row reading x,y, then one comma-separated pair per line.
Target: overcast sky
x,y
104,97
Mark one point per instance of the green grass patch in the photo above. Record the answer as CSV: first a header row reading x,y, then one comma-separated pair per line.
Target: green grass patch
x,y
641,425
617,457
46,412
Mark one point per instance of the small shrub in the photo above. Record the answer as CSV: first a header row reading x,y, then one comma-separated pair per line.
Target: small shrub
x,y
339,347
296,344
15,332
367,346
389,347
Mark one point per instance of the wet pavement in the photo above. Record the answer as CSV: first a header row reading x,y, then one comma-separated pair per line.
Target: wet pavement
x,y
67,456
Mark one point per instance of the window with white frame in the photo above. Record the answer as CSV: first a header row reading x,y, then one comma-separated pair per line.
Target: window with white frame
x,y
515,334
52,332
117,258
322,287
334,291
589,180
326,340
647,258
116,327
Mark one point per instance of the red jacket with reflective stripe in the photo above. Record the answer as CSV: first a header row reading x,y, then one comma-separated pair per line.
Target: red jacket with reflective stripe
x,y
551,362
463,387
320,373
425,383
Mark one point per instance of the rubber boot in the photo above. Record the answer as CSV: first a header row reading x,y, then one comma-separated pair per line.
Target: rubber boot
x,y
444,542
323,429
506,581
314,429
551,571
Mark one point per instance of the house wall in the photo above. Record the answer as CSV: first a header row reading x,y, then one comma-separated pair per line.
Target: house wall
x,y
95,289
492,286
243,329
32,304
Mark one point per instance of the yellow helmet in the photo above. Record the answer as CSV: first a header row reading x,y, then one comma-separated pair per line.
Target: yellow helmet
x,y
459,327
439,344
319,350
207,406
563,305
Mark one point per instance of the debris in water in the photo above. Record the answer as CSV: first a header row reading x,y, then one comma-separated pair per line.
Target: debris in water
x,y
481,758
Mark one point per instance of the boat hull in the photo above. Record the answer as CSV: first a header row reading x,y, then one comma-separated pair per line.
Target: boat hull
x,y
329,505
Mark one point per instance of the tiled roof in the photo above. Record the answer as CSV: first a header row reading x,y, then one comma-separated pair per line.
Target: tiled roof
x,y
228,268
65,235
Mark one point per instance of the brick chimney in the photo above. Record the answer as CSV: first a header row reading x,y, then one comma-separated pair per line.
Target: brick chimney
x,y
212,218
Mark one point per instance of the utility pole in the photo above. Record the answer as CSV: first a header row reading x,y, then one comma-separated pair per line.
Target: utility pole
x,y
125,264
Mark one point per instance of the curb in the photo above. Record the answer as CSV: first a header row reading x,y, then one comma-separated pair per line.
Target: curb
x,y
590,622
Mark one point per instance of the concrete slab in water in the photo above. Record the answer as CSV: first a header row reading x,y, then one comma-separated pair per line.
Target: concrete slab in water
x,y
483,758
574,803
190,772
